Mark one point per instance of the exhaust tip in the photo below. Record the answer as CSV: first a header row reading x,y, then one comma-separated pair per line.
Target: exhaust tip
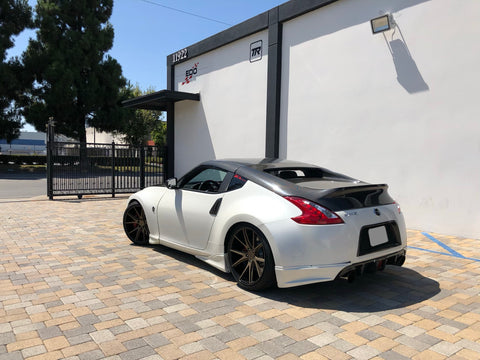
x,y
400,260
351,276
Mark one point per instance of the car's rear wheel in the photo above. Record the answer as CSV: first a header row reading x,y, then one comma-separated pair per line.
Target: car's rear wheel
x,y
135,224
250,258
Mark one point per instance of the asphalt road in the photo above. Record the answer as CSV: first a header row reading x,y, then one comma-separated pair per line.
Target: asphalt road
x,y
19,185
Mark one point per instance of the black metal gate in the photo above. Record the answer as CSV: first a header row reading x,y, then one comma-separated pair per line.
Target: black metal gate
x,y
79,169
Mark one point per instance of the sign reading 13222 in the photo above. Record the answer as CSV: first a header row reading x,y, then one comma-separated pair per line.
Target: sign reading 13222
x,y
180,55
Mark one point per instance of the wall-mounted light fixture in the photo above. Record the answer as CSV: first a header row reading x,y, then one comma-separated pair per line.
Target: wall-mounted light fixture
x,y
380,24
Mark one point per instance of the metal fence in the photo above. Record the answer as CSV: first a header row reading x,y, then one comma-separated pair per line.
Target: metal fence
x,y
80,169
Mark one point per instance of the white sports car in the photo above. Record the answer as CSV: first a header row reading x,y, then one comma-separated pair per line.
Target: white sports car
x,y
272,222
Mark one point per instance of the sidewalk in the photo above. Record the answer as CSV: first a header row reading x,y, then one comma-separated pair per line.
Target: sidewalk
x,y
73,287
22,184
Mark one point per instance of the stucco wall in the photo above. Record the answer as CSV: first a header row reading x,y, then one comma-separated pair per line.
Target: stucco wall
x,y
399,107
99,137
229,121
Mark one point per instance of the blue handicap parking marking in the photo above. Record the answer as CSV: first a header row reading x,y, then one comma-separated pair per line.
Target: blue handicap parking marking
x,y
445,246
451,252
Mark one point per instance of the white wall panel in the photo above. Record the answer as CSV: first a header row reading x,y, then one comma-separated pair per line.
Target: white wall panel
x,y
229,121
400,107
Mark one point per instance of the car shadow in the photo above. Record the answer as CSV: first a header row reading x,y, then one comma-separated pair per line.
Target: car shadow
x,y
394,288
190,260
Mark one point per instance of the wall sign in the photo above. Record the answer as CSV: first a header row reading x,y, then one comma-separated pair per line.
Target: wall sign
x,y
180,55
190,73
256,49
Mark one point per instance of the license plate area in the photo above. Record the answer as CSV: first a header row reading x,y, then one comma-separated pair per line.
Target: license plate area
x,y
378,237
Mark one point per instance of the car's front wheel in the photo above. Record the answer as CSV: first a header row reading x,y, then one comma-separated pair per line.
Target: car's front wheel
x,y
135,224
250,258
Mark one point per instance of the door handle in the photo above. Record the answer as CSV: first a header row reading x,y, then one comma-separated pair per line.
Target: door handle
x,y
216,206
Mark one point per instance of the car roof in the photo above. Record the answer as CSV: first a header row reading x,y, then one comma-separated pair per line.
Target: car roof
x,y
255,170
261,164
262,172
258,171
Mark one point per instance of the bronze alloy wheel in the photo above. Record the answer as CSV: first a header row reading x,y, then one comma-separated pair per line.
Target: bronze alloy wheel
x,y
135,224
250,258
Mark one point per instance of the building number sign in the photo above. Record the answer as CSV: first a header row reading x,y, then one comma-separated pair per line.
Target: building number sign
x,y
180,55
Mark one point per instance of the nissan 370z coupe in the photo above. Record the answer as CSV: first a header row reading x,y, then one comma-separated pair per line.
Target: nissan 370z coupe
x,y
272,222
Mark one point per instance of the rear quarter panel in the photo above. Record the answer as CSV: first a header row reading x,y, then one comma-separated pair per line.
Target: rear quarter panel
x,y
251,204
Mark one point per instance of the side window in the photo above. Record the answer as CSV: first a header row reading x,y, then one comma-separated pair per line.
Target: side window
x,y
207,180
236,183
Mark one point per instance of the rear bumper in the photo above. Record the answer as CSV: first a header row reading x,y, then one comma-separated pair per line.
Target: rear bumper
x,y
397,258
289,276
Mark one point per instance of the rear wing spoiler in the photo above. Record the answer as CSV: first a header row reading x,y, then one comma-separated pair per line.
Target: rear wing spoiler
x,y
355,197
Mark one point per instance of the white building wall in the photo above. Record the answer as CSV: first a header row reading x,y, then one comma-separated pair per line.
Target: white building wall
x,y
99,137
400,107
229,121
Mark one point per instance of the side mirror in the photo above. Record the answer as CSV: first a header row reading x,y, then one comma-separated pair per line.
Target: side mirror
x,y
172,183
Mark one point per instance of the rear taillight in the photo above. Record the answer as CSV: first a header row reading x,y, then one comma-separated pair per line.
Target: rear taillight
x,y
312,213
398,207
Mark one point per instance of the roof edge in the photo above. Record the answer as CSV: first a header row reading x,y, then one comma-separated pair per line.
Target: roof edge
x,y
161,97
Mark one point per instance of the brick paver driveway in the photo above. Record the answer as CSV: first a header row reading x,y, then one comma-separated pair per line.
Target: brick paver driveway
x,y
72,286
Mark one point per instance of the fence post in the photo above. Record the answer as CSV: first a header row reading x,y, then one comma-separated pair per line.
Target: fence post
x,y
142,167
165,164
113,168
50,144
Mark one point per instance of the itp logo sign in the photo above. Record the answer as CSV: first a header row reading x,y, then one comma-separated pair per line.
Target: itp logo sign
x,y
190,73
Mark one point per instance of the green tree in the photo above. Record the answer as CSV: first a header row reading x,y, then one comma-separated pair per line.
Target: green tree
x,y
159,132
15,16
143,125
74,80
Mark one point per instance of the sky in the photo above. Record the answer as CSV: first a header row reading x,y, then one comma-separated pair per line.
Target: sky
x,y
146,31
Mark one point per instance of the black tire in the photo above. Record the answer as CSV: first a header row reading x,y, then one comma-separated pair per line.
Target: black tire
x,y
135,224
250,258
